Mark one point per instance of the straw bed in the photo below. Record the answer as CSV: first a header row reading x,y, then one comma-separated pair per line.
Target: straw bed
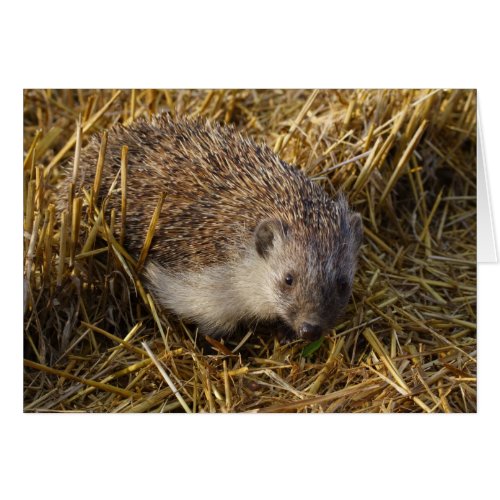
x,y
95,341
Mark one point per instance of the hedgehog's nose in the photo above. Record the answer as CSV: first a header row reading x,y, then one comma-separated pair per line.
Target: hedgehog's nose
x,y
309,332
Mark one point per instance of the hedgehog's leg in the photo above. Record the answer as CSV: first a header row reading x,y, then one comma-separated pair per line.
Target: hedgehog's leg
x,y
216,331
285,334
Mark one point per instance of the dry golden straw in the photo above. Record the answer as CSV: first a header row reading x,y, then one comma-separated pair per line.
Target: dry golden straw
x,y
96,341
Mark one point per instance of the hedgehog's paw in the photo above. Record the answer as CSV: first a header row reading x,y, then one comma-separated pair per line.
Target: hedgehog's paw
x,y
285,334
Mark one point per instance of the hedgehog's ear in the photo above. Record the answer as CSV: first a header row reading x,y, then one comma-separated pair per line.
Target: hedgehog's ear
x,y
266,234
356,226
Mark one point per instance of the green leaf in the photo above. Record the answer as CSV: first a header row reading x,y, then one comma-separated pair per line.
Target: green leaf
x,y
311,348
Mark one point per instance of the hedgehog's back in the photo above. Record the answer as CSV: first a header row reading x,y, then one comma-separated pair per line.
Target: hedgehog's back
x,y
218,186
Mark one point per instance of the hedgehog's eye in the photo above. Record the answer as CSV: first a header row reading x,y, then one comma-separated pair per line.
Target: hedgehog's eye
x,y
289,279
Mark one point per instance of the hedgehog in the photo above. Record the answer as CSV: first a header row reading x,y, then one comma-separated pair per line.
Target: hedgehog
x,y
243,238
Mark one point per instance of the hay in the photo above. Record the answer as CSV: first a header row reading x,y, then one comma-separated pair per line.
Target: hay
x,y
95,341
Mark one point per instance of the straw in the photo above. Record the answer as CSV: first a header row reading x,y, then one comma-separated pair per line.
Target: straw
x,y
407,340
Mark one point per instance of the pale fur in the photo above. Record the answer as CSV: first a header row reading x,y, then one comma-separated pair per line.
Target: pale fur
x,y
218,297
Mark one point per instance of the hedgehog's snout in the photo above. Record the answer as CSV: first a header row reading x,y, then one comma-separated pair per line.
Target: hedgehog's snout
x,y
310,332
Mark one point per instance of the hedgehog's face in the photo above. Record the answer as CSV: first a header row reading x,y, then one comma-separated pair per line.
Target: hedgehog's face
x,y
311,275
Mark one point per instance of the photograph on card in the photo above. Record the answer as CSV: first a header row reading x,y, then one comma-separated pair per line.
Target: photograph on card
x,y
249,251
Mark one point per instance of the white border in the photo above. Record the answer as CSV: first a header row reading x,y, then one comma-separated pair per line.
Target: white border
x,y
258,44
